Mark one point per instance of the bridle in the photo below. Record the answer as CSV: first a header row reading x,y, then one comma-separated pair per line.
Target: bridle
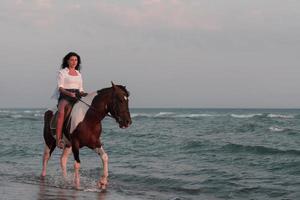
x,y
114,108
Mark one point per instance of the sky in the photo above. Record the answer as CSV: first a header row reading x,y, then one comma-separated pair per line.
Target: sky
x,y
168,53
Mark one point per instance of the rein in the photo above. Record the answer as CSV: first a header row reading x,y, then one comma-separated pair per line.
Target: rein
x,y
92,107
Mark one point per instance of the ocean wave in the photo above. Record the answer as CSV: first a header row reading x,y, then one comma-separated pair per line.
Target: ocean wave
x,y
144,180
281,116
16,116
22,117
284,130
277,129
21,111
172,115
6,111
245,115
33,111
137,115
238,148
195,146
195,115
164,114
39,115
22,114
263,115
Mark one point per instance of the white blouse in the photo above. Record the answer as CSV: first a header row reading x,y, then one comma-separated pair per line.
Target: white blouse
x,y
67,81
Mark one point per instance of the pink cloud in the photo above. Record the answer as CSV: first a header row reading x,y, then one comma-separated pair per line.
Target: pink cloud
x,y
73,7
36,13
19,2
44,22
148,2
44,4
168,13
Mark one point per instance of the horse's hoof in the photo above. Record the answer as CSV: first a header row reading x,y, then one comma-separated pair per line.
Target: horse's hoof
x,y
102,185
43,174
60,144
42,177
103,188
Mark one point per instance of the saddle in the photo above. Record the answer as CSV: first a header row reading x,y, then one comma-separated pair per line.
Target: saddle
x,y
53,122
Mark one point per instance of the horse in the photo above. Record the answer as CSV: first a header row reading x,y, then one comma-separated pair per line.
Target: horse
x,y
83,128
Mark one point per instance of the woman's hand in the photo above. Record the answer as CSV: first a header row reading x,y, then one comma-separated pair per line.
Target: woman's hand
x,y
72,94
80,94
65,92
83,94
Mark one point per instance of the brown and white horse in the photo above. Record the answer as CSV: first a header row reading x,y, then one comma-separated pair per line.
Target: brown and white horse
x,y
83,128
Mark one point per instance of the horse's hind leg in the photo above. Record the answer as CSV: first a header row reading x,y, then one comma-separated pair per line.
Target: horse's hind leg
x,y
46,157
64,160
49,141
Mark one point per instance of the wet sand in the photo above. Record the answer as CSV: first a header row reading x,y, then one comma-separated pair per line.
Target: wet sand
x,y
16,191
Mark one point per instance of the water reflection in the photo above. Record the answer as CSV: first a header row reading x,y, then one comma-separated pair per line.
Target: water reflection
x,y
49,192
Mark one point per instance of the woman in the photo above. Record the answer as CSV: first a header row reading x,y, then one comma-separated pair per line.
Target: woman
x,y
69,84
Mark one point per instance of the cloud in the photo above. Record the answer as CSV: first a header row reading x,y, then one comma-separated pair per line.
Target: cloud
x,y
157,13
19,2
73,7
149,2
37,13
44,4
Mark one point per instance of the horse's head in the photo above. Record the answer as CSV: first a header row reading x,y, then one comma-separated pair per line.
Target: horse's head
x,y
119,109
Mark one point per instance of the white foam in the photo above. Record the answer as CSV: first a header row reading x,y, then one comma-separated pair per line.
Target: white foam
x,y
195,115
134,115
28,111
245,116
92,190
280,116
162,114
276,129
16,116
172,114
8,111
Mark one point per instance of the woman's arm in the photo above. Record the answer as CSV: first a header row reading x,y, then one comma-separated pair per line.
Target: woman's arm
x,y
82,93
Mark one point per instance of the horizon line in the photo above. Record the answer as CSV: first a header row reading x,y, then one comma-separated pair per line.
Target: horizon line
x,y
266,108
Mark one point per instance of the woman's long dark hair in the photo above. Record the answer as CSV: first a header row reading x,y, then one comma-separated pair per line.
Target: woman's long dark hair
x,y
67,57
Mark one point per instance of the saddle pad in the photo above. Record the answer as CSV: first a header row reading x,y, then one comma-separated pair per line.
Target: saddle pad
x,y
79,110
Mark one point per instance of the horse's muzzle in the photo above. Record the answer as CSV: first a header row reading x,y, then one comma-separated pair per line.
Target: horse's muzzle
x,y
125,123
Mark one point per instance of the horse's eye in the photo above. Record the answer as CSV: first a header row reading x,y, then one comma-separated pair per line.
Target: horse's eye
x,y
121,100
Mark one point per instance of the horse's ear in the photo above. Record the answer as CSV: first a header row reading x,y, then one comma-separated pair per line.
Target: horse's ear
x,y
113,85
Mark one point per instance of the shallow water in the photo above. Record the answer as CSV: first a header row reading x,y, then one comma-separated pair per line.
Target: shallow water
x,y
165,154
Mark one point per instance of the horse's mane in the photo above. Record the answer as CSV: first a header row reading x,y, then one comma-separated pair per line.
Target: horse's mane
x,y
105,90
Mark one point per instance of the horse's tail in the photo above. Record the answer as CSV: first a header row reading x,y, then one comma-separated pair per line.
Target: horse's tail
x,y
49,139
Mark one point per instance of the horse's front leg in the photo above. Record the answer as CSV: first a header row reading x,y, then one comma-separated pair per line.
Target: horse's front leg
x,y
102,184
64,160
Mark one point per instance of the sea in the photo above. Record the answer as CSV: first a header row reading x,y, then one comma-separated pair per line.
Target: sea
x,y
168,154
